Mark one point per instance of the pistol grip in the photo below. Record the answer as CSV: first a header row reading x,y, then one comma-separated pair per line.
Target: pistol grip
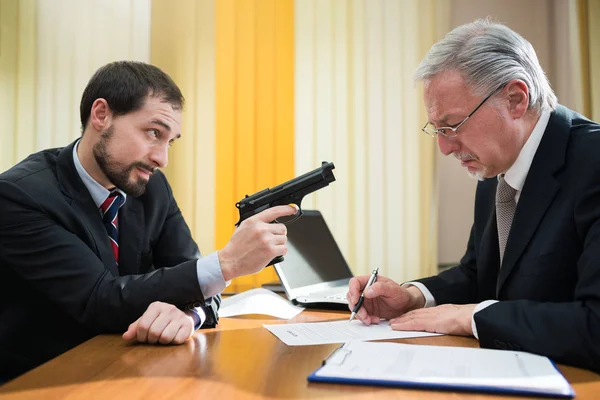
x,y
276,260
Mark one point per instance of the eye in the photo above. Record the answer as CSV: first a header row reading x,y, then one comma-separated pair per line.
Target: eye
x,y
154,132
442,131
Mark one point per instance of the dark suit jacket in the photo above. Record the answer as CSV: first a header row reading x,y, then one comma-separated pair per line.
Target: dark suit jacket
x,y
549,282
59,282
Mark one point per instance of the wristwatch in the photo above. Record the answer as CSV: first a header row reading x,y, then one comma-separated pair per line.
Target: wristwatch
x,y
210,308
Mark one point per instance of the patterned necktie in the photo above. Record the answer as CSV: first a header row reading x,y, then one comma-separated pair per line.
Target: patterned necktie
x,y
505,211
110,210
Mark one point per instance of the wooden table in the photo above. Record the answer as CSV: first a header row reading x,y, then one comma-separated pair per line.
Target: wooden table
x,y
238,360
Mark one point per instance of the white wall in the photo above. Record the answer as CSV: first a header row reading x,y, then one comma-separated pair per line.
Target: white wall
x,y
547,24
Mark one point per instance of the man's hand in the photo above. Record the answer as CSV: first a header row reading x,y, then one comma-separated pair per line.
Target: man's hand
x,y
384,299
163,323
451,319
255,243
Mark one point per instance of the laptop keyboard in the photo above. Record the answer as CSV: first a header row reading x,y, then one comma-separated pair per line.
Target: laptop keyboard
x,y
337,296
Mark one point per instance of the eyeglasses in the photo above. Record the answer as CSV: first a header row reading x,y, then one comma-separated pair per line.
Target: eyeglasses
x,y
433,132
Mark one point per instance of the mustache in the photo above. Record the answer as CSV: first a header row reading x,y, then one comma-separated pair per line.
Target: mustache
x,y
465,156
141,165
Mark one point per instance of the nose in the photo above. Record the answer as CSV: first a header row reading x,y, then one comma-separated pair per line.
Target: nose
x,y
160,156
448,146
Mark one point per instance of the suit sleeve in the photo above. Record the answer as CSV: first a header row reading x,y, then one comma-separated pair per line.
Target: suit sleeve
x,y
567,332
458,284
65,271
175,246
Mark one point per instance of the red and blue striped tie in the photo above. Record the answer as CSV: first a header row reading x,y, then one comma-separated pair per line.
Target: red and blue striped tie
x,y
110,211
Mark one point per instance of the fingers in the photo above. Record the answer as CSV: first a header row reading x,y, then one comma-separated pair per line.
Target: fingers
x,y
168,333
183,334
386,289
363,316
277,229
375,290
271,214
145,321
279,240
355,287
161,323
150,331
131,332
254,244
176,332
440,319
423,319
451,319
280,250
383,299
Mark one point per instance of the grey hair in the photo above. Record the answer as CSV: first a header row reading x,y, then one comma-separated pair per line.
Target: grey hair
x,y
489,55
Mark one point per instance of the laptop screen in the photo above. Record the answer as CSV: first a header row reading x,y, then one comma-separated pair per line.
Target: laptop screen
x,y
313,255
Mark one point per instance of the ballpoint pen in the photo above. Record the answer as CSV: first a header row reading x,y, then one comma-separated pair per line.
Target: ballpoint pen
x,y
358,305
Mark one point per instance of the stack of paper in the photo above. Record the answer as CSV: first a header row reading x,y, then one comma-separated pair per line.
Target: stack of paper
x,y
438,367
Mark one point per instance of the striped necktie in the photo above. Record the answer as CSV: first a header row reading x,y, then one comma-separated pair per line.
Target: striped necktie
x,y
110,210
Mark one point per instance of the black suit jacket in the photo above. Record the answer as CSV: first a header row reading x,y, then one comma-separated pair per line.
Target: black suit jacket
x,y
59,282
549,282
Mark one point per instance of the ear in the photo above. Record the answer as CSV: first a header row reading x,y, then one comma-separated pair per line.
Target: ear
x,y
100,115
518,98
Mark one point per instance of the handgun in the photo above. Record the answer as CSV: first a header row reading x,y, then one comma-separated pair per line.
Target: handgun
x,y
290,192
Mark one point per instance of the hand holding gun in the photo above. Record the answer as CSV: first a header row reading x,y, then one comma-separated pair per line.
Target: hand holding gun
x,y
290,192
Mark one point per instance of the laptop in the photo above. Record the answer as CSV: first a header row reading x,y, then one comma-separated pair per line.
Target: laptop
x,y
314,272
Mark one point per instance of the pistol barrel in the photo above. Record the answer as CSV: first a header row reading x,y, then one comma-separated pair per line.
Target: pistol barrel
x,y
288,192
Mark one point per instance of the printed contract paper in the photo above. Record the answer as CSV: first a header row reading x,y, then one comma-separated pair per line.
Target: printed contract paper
x,y
337,332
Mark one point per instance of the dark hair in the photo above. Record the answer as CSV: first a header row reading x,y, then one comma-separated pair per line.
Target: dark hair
x,y
125,85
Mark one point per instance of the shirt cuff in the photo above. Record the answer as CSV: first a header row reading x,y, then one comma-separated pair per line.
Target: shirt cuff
x,y
210,276
480,306
429,299
198,315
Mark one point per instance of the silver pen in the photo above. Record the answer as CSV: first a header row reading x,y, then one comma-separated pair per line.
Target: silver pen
x,y
371,281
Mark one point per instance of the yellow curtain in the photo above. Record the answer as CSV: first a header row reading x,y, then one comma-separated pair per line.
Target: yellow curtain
x,y
183,45
254,115
233,61
17,80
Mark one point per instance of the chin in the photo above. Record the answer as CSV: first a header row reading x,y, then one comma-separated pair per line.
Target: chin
x,y
135,189
478,175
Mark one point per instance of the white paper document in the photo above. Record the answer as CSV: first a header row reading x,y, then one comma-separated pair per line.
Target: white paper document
x,y
258,301
398,364
337,332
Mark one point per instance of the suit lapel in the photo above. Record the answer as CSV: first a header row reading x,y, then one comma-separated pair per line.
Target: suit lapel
x,y
92,219
131,228
83,205
538,192
488,273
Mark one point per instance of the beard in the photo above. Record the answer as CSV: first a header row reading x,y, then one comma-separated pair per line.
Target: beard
x,y
117,173
478,175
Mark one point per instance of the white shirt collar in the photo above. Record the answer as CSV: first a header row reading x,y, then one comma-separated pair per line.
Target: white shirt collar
x,y
98,192
516,174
